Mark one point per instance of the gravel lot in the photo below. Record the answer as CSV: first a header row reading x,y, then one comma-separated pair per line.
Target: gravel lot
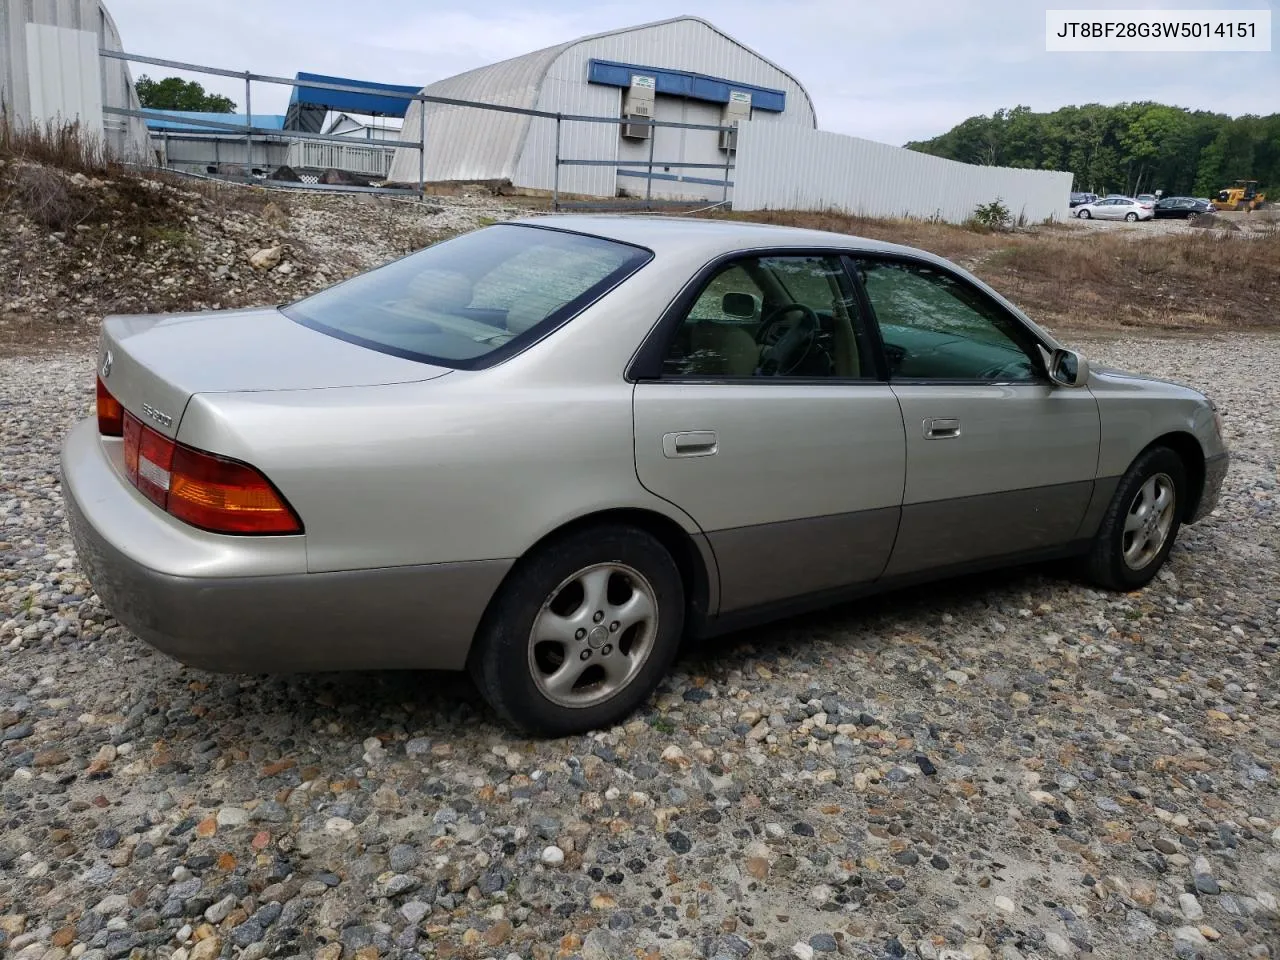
x,y
1010,766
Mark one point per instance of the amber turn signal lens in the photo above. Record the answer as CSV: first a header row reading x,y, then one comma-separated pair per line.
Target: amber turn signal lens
x,y
207,491
110,413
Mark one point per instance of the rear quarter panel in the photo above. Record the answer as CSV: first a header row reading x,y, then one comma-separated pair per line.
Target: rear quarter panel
x,y
475,465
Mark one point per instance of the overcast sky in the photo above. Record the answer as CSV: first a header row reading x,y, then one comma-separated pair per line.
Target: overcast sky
x,y
889,71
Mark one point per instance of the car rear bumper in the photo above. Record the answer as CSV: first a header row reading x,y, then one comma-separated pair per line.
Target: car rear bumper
x,y
1215,472
415,617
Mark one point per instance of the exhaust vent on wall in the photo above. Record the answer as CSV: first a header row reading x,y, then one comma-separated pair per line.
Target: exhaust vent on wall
x,y
638,103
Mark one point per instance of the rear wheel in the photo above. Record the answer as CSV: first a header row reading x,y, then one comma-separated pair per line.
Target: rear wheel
x,y
1141,522
581,633
1131,217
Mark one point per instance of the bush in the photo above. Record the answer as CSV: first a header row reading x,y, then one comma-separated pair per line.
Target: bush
x,y
993,216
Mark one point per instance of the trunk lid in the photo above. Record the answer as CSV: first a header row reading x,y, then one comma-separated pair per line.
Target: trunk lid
x,y
153,364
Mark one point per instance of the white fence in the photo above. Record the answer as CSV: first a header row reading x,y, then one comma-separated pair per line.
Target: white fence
x,y
354,158
782,168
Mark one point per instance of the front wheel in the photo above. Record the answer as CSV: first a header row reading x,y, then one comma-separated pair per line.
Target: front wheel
x,y
1131,217
581,633
1083,214
1141,522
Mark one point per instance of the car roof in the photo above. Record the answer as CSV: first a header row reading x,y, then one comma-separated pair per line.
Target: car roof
x,y
710,237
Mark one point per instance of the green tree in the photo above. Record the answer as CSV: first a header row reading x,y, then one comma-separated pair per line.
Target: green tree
x,y
1129,147
174,93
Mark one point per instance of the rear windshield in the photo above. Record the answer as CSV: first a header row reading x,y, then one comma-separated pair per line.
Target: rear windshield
x,y
474,300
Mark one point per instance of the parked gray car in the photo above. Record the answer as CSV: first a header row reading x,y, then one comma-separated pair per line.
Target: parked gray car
x,y
548,450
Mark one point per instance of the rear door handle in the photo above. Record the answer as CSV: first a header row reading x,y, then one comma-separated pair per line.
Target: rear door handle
x,y
690,443
941,429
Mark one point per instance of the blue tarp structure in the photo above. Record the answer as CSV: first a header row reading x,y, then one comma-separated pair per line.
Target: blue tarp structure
x,y
373,102
267,121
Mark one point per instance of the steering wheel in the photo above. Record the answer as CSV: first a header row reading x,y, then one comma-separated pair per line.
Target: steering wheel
x,y
786,348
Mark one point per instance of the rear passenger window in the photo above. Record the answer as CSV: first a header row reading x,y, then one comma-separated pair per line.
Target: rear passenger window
x,y
786,316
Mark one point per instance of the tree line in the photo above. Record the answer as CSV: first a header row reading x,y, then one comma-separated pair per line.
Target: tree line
x,y
1128,148
174,93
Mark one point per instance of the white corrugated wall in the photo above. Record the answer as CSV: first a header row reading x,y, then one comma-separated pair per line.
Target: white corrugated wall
x,y
813,170
465,143
686,43
125,137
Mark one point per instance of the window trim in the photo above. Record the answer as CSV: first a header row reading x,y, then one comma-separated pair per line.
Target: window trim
x,y
518,344
1028,341
645,365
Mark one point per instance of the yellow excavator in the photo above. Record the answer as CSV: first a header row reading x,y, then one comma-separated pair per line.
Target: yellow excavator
x,y
1243,196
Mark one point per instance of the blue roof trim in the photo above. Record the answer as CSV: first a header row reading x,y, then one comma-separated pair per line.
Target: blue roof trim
x,y
683,83
266,121
368,103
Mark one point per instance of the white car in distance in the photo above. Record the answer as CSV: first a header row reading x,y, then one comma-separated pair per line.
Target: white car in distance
x,y
1117,208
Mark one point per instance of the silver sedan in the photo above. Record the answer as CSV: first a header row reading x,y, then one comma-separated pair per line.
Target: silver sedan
x,y
546,451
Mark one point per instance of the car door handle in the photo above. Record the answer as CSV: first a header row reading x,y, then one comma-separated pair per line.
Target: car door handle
x,y
935,429
690,443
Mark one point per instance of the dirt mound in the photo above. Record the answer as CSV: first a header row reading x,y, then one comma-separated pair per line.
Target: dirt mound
x,y
78,244
1211,221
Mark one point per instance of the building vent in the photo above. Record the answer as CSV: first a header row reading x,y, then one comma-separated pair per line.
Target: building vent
x,y
736,110
638,103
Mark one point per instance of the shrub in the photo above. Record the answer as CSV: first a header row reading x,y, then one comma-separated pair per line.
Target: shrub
x,y
993,216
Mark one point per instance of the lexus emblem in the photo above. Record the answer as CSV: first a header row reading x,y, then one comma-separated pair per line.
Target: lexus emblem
x,y
106,365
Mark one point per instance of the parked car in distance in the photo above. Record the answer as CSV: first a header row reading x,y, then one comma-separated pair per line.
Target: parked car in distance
x,y
1146,198
547,450
1079,199
1184,208
1117,208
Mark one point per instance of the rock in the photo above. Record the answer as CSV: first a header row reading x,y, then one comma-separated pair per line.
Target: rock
x,y
552,856
1004,905
1059,944
679,841
266,258
232,817
1190,907
802,950
206,949
603,945
824,943
1191,935
219,911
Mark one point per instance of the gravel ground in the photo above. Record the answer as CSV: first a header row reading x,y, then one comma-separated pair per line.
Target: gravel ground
x,y
1263,224
1009,766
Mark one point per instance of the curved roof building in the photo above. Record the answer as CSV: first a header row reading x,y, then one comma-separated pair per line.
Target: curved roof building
x,y
50,70
692,70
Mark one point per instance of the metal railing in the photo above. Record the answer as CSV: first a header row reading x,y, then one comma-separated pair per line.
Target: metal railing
x,y
624,167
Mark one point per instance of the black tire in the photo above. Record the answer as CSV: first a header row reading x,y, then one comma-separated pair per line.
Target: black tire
x,y
500,661
1083,215
1105,564
1131,217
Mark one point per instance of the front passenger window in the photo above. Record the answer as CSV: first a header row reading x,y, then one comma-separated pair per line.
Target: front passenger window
x,y
936,327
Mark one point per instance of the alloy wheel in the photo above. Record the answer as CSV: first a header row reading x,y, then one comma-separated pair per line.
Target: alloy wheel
x,y
1149,520
593,635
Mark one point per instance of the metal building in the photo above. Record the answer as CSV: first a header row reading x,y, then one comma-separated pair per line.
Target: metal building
x,y
50,71
683,69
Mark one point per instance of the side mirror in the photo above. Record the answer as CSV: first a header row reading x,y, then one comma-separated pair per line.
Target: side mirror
x,y
1068,368
739,305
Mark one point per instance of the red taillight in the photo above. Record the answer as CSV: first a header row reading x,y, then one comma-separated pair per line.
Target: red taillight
x,y
110,413
202,489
